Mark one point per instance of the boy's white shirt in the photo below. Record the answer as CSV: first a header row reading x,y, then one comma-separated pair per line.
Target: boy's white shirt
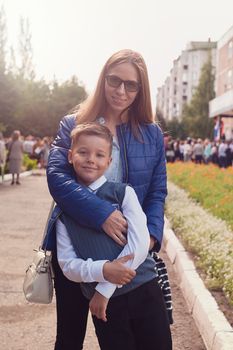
x,y
138,240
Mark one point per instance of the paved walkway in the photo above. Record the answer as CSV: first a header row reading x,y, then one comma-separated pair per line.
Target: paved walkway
x,y
24,326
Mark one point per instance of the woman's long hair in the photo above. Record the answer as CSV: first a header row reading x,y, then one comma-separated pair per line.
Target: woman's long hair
x,y
140,112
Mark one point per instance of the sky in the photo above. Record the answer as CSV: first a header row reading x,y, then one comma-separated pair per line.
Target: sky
x,y
76,37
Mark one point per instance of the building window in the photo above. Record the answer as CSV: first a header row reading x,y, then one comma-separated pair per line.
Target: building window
x,y
194,75
184,97
184,78
230,49
185,66
194,60
229,79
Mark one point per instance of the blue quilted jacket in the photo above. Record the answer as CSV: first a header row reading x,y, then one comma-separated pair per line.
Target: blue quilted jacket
x,y
144,167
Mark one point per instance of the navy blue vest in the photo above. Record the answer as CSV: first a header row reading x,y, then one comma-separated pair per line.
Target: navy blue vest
x,y
90,243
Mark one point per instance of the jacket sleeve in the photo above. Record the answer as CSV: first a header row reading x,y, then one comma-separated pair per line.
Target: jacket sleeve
x,y
74,199
153,204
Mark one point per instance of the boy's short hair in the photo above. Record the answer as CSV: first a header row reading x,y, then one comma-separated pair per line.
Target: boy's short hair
x,y
91,129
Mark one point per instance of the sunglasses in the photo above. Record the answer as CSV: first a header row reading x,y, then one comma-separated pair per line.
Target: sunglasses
x,y
115,82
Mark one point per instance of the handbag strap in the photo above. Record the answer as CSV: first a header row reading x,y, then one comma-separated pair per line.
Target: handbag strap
x,y
47,222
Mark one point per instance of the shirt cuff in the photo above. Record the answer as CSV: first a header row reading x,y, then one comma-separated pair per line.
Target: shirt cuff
x,y
106,289
97,270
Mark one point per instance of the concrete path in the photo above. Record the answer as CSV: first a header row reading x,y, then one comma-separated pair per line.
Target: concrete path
x,y
24,326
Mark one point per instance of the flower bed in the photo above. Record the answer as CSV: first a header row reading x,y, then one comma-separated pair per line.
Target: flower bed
x,y
208,185
206,236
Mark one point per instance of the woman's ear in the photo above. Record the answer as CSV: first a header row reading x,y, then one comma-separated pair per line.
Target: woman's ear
x,y
70,156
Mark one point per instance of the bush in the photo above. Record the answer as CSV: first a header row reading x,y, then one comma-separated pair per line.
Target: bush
x,y
28,163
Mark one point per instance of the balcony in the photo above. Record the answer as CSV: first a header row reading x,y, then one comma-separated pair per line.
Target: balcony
x,y
222,105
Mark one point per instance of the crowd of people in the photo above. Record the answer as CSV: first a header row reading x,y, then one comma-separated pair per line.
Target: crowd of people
x,y
199,151
195,150
13,148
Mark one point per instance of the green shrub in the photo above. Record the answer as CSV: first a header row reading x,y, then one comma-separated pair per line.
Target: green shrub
x,y
28,163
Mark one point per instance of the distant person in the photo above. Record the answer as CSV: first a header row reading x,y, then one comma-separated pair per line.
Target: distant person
x,y
45,152
228,154
187,150
214,153
198,151
176,146
207,151
222,156
170,153
28,145
37,150
231,149
15,155
122,103
2,154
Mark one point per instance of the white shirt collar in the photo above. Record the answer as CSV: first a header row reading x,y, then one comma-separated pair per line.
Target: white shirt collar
x,y
97,183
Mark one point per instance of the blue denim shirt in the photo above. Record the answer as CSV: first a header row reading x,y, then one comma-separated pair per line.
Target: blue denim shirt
x,y
114,172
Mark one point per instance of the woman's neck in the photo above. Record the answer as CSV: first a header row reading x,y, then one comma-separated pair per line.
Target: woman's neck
x,y
113,118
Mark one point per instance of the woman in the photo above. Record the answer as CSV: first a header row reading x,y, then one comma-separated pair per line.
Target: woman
x,y
15,156
2,155
122,102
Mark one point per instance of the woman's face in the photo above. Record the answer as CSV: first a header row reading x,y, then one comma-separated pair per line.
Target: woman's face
x,y
121,86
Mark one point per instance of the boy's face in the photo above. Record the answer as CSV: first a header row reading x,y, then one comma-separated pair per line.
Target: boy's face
x,y
90,157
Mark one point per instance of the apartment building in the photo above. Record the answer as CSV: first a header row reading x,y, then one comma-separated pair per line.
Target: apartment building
x,y
180,85
221,107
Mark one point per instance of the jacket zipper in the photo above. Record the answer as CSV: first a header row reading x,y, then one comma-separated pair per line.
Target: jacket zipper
x,y
124,156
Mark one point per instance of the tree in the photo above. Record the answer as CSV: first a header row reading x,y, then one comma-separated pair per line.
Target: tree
x,y
7,91
63,99
26,69
195,115
3,40
175,128
32,106
161,121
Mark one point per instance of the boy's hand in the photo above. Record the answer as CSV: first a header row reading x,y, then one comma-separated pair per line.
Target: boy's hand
x,y
98,306
116,227
116,272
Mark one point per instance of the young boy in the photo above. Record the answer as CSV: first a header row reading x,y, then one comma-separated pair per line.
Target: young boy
x,y
85,255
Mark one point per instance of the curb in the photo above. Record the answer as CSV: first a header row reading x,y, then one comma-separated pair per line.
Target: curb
x,y
214,328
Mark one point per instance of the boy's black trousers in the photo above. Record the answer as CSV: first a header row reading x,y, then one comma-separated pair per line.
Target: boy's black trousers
x,y
136,320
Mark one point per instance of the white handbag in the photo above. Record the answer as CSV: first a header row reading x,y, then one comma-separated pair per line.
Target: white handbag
x,y
38,281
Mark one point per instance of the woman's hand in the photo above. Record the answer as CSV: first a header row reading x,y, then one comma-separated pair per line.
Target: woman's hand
x,y
115,226
116,272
